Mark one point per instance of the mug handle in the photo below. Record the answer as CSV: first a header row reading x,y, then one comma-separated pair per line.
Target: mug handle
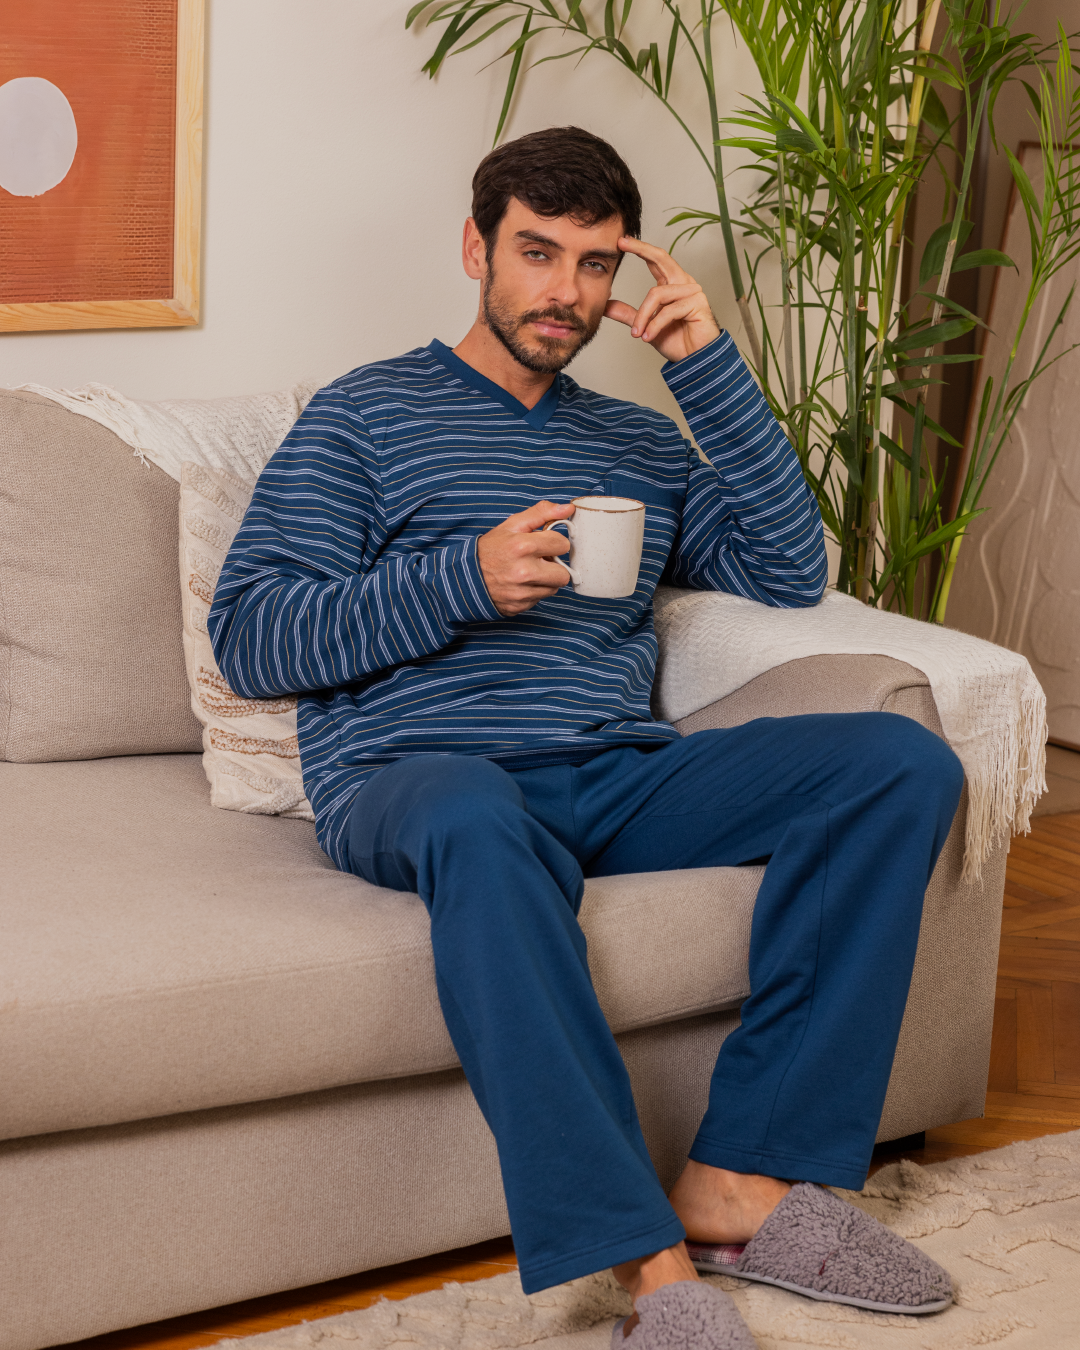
x,y
575,580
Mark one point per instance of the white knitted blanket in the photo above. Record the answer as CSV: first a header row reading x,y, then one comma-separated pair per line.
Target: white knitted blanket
x,y
235,434
992,708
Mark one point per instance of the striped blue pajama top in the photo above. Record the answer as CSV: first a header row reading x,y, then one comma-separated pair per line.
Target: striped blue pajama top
x,y
354,580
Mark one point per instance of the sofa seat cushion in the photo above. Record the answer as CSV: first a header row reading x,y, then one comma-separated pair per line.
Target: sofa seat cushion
x,y
159,956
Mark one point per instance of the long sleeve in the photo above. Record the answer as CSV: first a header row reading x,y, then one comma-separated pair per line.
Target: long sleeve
x,y
750,523
310,597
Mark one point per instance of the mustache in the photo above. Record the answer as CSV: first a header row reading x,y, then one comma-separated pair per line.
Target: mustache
x,y
557,314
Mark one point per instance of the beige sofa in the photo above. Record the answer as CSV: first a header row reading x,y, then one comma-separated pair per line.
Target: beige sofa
x,y
223,1063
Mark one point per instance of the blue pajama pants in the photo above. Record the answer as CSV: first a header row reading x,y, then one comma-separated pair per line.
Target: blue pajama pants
x,y
850,809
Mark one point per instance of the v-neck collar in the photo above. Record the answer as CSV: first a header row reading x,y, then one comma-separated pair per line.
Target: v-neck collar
x,y
536,417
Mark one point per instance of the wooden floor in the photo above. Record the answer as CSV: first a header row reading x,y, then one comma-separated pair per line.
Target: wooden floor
x,y
1034,1090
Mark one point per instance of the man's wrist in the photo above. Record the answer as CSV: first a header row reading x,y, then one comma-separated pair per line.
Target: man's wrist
x,y
463,587
712,347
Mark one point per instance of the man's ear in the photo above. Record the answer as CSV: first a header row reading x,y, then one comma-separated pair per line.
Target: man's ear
x,y
473,252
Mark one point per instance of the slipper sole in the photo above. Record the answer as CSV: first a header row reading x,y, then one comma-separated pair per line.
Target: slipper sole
x,y
904,1309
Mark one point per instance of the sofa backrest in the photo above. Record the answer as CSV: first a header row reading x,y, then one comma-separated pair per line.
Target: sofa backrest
x,y
91,653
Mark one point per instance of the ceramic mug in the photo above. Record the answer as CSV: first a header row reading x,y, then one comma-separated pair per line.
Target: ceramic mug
x,y
606,535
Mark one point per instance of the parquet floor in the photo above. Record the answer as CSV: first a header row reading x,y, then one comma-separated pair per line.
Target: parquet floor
x,y
1034,1090
1037,1016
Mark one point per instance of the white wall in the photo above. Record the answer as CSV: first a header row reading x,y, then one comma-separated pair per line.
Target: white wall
x,y
336,183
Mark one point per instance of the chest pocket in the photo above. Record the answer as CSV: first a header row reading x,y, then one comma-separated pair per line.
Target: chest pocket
x,y
667,496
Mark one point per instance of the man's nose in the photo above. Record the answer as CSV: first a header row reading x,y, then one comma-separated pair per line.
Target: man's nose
x,y
564,289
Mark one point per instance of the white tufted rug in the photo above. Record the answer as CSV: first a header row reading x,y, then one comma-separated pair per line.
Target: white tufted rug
x,y
1006,1224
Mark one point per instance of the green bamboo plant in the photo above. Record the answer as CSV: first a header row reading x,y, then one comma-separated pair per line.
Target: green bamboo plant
x,y
850,119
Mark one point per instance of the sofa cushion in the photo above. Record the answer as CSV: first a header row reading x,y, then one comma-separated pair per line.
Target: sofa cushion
x,y
159,956
91,659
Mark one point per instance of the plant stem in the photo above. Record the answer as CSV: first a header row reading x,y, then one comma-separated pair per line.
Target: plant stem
x,y
892,261
785,283
958,216
721,193
946,581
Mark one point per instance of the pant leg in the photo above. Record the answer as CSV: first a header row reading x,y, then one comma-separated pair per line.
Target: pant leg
x,y
515,990
852,811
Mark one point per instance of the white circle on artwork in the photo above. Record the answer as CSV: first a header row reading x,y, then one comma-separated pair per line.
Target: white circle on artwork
x,y
38,136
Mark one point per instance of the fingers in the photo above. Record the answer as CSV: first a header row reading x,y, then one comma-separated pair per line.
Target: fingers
x,y
662,265
528,581
525,558
675,317
536,517
660,296
551,577
621,312
638,320
516,557
541,544
669,314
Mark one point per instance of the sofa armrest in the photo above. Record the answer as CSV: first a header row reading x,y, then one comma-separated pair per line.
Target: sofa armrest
x,y
817,684
940,1069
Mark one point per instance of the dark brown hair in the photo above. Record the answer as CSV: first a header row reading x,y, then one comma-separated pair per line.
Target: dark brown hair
x,y
561,171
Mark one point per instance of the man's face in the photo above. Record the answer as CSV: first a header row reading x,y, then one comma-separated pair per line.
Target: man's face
x,y
546,285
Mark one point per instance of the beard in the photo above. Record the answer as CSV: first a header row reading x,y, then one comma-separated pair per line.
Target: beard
x,y
545,355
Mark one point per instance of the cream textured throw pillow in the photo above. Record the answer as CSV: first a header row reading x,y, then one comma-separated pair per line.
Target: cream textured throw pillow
x,y
250,750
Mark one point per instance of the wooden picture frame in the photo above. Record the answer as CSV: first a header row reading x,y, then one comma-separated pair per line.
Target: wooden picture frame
x,y
181,307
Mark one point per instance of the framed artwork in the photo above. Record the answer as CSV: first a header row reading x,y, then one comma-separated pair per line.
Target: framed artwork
x,y
100,163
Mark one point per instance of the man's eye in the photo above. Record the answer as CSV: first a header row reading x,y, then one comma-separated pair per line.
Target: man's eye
x,y
597,266
535,253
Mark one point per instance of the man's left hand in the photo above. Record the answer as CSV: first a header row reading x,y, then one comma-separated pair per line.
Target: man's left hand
x,y
674,317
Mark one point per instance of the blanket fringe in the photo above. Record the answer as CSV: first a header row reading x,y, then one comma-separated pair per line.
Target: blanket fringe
x,y
1003,791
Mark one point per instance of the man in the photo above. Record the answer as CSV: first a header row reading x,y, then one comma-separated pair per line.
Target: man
x,y
472,729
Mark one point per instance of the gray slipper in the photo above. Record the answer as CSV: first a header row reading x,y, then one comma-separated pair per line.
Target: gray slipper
x,y
687,1315
816,1244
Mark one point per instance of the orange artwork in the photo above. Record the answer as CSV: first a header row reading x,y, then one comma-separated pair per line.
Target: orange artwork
x,y
97,143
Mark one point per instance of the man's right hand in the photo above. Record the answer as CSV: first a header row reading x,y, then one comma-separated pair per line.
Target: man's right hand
x,y
515,558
